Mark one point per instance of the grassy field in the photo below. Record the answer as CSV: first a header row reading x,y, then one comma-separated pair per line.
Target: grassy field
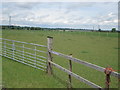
x,y
17,75
0,62
97,48
0,70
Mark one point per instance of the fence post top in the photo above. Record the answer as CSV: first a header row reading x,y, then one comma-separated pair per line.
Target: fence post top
x,y
70,55
49,37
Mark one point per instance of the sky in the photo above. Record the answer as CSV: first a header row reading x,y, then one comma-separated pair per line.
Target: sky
x,y
86,15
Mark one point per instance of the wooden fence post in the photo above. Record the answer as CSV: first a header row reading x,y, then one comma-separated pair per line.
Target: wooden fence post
x,y
107,78
49,47
70,68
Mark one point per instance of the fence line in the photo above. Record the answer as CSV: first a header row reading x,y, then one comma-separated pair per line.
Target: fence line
x,y
41,62
19,53
99,68
76,76
23,42
50,52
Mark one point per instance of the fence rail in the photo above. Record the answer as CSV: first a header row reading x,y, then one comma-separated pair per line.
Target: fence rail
x,y
96,67
34,59
17,51
76,76
99,68
23,42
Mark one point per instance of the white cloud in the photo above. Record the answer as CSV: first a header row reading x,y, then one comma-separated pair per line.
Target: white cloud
x,y
115,21
64,14
61,1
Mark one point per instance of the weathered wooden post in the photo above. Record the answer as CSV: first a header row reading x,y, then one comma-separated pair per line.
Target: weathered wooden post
x,y
107,72
70,68
49,47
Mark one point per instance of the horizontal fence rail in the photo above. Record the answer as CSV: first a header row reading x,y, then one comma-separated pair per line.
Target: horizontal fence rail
x,y
20,52
70,73
33,55
76,76
115,74
24,42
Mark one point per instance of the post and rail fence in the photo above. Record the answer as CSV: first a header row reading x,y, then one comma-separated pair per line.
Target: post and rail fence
x,y
34,59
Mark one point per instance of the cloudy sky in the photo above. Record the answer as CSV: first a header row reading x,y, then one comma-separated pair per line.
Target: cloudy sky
x,y
61,14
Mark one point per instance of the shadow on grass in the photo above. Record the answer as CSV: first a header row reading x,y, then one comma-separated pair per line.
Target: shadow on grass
x,y
84,52
64,83
116,48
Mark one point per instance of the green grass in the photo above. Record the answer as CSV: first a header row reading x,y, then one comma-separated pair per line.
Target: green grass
x,y
17,75
94,47
0,72
0,61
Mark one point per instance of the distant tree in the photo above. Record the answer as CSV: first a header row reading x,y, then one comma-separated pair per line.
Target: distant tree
x,y
22,27
18,28
12,28
113,30
99,30
3,27
32,28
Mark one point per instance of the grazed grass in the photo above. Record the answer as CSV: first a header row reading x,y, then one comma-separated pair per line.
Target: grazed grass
x,y
0,62
94,47
0,72
17,75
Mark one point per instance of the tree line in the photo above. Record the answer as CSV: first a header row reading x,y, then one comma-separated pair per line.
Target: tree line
x,y
5,27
